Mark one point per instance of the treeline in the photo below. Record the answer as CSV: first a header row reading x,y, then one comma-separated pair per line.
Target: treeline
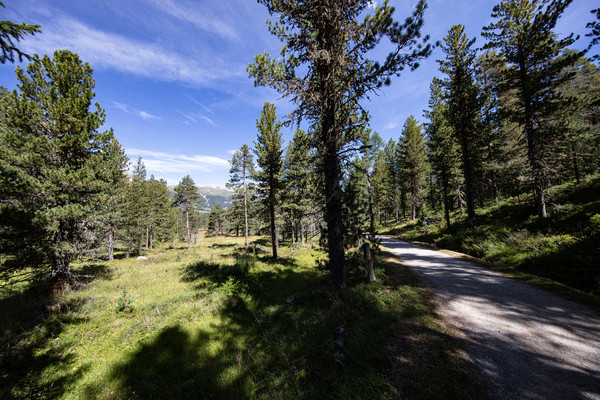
x,y
64,188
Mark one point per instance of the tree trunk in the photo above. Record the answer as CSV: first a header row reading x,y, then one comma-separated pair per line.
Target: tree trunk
x,y
111,234
333,206
468,174
187,224
370,206
575,164
274,238
538,175
369,262
245,211
446,200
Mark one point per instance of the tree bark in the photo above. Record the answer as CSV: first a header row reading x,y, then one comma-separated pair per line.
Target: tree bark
x,y
274,238
245,209
369,262
111,234
446,200
187,224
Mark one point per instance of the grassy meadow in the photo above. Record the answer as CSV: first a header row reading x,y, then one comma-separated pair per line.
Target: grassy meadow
x,y
560,253
216,323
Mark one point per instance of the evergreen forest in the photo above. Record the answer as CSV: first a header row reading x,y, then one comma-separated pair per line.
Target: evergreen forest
x,y
116,285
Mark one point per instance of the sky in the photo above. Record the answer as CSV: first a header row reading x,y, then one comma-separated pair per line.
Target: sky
x,y
171,74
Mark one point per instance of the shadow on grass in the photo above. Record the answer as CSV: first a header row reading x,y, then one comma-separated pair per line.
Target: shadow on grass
x,y
266,347
222,245
180,365
29,322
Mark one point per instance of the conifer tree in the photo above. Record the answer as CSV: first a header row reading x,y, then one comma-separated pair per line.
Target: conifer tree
x,y
11,32
216,220
113,196
523,35
242,168
464,104
54,166
327,41
300,191
595,32
414,162
186,194
444,151
269,158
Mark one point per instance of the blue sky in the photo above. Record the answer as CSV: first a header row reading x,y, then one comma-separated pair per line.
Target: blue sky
x,y
171,74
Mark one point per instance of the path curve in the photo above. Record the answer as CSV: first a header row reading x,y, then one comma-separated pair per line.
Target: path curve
x,y
530,344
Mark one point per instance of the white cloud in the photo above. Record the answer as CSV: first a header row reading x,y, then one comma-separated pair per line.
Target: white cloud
x,y
197,17
164,163
146,115
117,52
393,124
194,117
128,110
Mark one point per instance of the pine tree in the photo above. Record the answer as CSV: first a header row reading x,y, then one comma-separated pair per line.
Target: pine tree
x,y
299,175
113,196
10,32
595,32
186,195
269,158
464,105
54,166
444,151
242,168
216,220
326,41
414,162
523,35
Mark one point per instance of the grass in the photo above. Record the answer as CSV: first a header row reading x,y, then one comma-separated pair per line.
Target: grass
x,y
215,323
560,253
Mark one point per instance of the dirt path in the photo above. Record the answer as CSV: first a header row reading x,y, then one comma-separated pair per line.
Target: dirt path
x,y
529,344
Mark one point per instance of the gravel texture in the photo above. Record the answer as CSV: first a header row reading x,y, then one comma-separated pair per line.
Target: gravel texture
x,y
530,344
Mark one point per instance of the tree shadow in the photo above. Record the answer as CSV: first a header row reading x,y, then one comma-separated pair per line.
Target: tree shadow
x,y
222,245
179,364
29,322
32,321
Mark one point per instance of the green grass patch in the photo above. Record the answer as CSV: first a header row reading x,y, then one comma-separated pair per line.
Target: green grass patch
x,y
216,323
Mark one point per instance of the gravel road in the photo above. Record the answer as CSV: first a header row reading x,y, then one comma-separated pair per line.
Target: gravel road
x,y
529,344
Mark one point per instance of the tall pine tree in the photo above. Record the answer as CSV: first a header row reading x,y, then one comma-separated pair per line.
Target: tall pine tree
x,y
464,105
242,168
186,195
55,166
524,37
269,158
325,71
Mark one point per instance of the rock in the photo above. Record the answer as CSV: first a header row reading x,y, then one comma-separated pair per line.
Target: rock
x,y
142,258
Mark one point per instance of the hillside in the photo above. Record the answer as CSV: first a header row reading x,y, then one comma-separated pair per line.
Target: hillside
x,y
211,196
563,247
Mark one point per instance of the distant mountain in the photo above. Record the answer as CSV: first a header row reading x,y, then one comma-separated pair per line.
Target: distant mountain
x,y
211,196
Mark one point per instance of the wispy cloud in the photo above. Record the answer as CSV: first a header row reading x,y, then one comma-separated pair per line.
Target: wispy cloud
x,y
197,17
391,125
165,163
129,110
195,117
117,52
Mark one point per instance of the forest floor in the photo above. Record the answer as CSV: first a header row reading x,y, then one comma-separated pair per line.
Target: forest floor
x,y
529,344
217,323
